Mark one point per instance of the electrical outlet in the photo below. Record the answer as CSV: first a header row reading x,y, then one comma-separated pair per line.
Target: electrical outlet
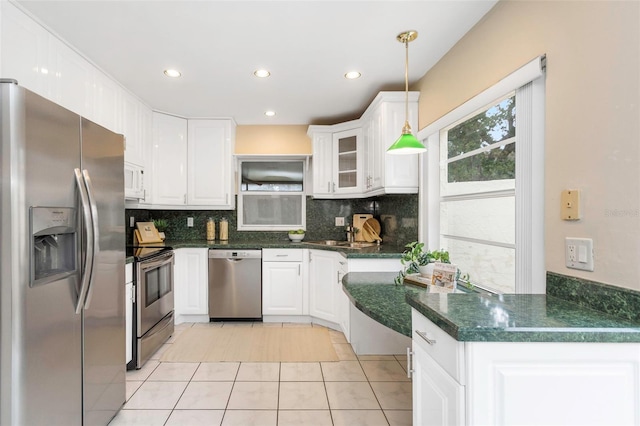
x,y
339,221
571,253
190,222
579,253
132,221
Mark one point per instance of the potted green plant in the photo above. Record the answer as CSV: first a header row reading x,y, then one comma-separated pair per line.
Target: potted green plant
x,y
161,225
416,260
426,261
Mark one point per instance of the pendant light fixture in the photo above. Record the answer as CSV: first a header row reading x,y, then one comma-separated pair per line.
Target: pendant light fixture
x,y
406,143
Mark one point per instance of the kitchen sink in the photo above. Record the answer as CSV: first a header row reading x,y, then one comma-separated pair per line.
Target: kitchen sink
x,y
343,244
326,242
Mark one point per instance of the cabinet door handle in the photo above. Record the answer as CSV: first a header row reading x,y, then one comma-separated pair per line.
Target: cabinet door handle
x,y
328,186
409,363
299,273
185,198
334,187
423,334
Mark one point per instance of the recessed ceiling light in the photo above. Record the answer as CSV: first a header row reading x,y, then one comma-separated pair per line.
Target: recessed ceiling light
x,y
261,73
172,73
352,75
269,113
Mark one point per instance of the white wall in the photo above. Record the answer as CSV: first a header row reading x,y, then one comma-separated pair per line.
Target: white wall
x,y
592,117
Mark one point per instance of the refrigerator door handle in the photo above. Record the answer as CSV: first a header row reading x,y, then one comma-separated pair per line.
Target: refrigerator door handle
x,y
95,240
87,266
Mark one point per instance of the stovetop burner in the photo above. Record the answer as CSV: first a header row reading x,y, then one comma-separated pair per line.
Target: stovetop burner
x,y
147,251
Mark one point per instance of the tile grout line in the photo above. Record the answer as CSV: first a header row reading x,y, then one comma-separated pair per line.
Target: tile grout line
x,y
373,391
326,394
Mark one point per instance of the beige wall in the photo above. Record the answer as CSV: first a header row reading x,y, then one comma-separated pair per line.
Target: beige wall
x,y
592,115
272,140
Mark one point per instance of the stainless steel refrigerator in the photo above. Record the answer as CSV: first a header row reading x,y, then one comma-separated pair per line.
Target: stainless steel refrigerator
x,y
62,289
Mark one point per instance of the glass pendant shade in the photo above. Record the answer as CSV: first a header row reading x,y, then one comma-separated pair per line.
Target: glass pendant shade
x,y
406,144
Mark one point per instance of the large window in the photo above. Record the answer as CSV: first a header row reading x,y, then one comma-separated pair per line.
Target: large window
x,y
483,191
271,195
477,194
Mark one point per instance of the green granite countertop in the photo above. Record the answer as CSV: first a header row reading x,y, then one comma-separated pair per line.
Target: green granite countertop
x,y
376,296
485,317
375,252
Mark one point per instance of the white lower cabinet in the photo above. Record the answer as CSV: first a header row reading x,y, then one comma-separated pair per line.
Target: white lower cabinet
x,y
190,285
437,398
510,383
282,282
324,285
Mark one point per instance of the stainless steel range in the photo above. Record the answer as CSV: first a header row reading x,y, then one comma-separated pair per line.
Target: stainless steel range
x,y
153,307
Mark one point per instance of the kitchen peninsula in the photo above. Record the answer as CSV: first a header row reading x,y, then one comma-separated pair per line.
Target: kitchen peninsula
x,y
513,359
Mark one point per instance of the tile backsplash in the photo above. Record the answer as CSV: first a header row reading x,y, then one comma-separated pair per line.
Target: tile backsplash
x,y
398,216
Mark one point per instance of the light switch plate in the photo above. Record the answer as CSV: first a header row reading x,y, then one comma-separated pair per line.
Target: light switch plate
x,y
339,221
570,204
190,222
579,253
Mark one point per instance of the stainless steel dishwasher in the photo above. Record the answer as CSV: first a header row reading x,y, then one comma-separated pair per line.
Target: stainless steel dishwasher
x,y
235,284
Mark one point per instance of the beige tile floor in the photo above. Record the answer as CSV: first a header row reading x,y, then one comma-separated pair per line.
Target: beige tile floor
x,y
365,390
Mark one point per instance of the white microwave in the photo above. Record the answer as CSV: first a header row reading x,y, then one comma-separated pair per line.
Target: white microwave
x,y
133,182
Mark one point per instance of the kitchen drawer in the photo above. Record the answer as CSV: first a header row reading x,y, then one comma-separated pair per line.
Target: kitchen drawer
x,y
282,255
444,349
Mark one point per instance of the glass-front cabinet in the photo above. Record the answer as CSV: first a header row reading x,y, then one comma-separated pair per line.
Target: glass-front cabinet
x,y
350,159
347,161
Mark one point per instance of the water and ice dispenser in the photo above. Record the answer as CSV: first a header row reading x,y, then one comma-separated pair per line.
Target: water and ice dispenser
x,y
53,243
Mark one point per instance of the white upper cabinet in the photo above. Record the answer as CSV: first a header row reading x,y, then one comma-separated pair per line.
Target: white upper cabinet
x,y
322,163
192,163
71,83
347,162
394,174
46,65
25,50
169,158
210,172
135,117
350,159
337,160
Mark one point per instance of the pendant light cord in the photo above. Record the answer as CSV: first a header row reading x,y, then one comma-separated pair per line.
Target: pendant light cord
x,y
406,83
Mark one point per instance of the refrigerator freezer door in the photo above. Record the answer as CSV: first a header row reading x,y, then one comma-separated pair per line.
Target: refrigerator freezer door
x,y
104,314
40,351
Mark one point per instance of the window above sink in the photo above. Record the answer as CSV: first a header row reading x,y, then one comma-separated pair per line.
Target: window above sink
x,y
271,193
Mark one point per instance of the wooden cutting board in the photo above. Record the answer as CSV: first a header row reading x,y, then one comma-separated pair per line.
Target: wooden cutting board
x,y
371,230
358,222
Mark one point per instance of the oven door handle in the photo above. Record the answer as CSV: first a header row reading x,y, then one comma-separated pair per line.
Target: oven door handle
x,y
156,261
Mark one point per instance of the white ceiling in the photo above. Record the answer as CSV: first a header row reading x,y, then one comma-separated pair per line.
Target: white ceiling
x,y
307,45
